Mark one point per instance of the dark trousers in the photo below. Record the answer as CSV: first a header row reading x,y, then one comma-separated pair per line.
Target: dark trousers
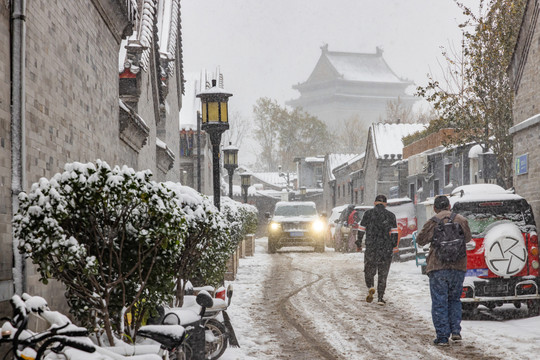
x,y
446,287
375,263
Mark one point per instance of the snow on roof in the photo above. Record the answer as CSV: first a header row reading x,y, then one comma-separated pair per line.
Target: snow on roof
x,y
273,178
362,67
481,192
190,103
387,137
477,150
335,160
314,159
160,143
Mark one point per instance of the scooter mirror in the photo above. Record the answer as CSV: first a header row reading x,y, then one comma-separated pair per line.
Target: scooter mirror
x,y
229,294
204,299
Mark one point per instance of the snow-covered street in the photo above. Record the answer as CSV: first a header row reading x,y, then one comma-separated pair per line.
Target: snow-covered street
x,y
304,305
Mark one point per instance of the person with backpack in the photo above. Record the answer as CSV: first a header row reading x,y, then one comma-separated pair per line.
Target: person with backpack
x,y
380,227
447,233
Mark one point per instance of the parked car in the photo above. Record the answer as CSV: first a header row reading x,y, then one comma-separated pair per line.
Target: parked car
x,y
334,215
347,228
296,223
405,213
502,258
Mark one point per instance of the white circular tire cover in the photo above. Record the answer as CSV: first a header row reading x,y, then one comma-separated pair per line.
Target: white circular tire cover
x,y
505,250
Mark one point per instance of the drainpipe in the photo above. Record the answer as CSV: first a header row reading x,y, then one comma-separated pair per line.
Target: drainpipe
x,y
18,28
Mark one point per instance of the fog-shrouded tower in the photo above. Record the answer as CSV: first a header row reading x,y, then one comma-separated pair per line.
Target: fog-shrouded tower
x,y
345,85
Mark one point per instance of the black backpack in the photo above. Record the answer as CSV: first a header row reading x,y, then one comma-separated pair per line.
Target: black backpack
x,y
448,240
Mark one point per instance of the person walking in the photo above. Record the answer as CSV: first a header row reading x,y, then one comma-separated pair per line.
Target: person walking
x,y
445,278
380,227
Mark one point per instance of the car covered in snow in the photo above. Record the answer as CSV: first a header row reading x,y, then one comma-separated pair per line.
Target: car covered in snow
x,y
296,223
405,213
502,258
332,223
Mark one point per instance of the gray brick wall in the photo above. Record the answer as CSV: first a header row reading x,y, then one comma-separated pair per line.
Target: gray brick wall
x,y
5,152
526,105
71,98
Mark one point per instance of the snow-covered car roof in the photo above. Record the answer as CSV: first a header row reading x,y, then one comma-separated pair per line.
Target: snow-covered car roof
x,y
481,192
399,201
336,212
363,207
294,203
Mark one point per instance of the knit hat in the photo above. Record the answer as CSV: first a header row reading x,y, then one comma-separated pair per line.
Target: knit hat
x,y
381,199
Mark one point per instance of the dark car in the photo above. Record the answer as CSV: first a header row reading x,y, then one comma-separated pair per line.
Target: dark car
x,y
296,223
502,258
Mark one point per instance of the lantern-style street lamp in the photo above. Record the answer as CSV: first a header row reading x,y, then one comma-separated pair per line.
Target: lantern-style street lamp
x,y
246,183
303,192
230,162
215,121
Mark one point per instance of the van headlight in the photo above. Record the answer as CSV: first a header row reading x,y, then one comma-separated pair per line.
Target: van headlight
x,y
317,226
275,226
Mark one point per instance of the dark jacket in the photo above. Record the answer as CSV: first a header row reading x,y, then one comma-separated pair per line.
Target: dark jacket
x,y
380,228
426,235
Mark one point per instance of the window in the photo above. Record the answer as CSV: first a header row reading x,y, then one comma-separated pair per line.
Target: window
x,y
436,187
447,170
419,184
412,191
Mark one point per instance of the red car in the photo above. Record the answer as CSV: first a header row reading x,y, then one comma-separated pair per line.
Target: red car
x,y
347,228
502,258
405,213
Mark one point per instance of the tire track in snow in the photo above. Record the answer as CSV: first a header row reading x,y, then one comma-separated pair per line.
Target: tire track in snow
x,y
291,319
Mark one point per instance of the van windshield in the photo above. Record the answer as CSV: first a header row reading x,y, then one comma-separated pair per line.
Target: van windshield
x,y
295,210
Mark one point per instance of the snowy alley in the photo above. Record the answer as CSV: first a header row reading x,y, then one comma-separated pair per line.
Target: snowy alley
x,y
297,304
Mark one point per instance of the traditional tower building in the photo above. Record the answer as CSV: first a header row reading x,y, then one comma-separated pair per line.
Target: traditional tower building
x,y
344,85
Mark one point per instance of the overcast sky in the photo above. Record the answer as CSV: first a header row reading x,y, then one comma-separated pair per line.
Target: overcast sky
x,y
264,47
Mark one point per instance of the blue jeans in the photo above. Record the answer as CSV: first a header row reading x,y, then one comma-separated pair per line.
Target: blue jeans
x,y
446,287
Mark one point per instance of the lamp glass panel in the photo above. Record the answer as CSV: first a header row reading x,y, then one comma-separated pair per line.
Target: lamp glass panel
x,y
229,158
224,117
204,113
213,111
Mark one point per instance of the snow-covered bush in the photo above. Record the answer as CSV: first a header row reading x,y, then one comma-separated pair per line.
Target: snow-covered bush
x,y
121,243
207,243
250,218
106,233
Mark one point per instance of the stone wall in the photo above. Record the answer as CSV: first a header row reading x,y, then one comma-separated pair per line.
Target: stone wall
x,y
71,97
6,263
524,70
72,108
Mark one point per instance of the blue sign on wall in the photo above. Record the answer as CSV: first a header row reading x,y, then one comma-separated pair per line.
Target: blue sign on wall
x,y
522,164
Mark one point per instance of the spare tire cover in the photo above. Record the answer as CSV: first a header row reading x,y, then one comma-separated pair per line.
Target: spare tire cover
x,y
505,250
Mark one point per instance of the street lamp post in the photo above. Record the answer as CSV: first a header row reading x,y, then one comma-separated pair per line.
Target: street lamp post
x,y
230,162
215,121
246,183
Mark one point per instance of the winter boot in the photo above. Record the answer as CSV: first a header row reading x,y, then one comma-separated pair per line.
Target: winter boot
x,y
441,342
381,302
369,297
